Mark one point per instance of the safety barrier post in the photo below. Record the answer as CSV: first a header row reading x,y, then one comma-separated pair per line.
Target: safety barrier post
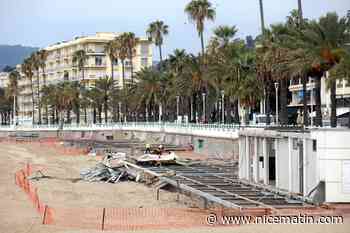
x,y
44,215
103,219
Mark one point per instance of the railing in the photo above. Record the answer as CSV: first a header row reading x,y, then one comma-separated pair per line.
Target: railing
x,y
207,130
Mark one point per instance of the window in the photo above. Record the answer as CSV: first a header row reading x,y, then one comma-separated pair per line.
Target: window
x,y
347,84
98,61
314,145
144,49
340,84
115,62
295,143
144,61
66,76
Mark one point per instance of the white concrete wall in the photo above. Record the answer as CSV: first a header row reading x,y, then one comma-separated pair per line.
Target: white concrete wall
x,y
333,149
283,164
310,168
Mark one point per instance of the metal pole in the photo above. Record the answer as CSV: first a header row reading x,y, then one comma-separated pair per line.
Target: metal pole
x,y
160,113
312,105
177,107
204,115
14,110
223,106
120,111
276,86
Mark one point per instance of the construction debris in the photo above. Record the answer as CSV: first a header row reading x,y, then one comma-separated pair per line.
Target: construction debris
x,y
166,158
111,170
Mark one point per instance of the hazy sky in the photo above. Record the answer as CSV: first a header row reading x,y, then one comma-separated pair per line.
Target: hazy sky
x,y
43,22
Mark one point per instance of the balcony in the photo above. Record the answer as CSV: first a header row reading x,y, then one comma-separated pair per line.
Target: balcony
x,y
299,87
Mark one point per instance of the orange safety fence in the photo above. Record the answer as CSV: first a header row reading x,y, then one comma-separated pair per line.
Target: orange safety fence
x,y
51,142
132,219
121,219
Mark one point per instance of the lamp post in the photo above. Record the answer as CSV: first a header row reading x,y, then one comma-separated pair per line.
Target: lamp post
x,y
223,106
276,87
203,100
312,102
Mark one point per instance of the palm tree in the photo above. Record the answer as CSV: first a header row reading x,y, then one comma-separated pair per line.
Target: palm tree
x,y
156,32
79,59
341,71
12,91
105,88
198,11
36,65
131,42
122,53
324,41
5,107
42,57
61,97
149,88
111,51
224,34
27,69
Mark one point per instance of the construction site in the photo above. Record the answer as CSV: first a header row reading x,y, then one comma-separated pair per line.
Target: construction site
x,y
132,181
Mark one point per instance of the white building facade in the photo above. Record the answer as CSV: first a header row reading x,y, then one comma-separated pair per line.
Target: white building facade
x,y
313,164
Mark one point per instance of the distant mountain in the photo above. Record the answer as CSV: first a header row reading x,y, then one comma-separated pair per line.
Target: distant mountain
x,y
11,55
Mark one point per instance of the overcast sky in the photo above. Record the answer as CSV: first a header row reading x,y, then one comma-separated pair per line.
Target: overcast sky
x,y
42,22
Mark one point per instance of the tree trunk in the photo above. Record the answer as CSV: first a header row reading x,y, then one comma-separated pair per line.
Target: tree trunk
x,y
112,69
318,118
333,90
284,102
123,73
33,102
57,116
268,107
106,110
84,86
305,108
68,116
160,55
114,114
262,21
349,120
94,115
131,70
202,44
78,114
236,112
53,115
38,96
46,107
99,114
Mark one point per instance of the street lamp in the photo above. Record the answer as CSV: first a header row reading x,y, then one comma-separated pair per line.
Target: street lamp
x,y
276,87
223,106
203,98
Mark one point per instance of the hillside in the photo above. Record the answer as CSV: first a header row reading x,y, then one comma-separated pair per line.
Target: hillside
x,y
12,55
